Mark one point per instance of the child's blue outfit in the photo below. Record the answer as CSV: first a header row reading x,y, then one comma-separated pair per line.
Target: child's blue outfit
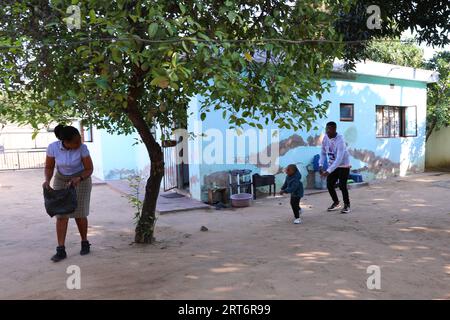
x,y
293,185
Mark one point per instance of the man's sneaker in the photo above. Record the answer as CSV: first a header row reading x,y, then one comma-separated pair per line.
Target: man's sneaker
x,y
298,221
334,206
60,254
346,209
85,247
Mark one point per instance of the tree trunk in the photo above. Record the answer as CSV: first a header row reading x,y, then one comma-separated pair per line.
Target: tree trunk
x,y
146,223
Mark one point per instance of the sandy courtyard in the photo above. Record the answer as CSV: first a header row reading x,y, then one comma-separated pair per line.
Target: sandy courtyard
x,y
401,225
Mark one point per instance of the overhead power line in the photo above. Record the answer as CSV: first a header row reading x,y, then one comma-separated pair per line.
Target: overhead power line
x,y
215,41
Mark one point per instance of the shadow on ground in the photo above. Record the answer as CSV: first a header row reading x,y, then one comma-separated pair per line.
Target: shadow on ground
x,y
401,225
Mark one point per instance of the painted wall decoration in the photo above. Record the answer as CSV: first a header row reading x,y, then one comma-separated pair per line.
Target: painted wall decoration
x,y
373,157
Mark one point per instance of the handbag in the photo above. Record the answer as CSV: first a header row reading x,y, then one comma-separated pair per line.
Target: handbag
x,y
63,201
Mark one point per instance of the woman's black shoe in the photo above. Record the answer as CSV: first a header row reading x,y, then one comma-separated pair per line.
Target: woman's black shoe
x,y
85,247
60,254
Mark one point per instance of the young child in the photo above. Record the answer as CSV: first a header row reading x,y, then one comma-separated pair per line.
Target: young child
x,y
294,186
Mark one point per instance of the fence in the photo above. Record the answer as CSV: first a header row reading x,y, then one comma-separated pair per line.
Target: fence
x,y
22,159
170,168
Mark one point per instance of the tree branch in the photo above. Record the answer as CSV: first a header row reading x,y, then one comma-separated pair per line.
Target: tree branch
x,y
135,92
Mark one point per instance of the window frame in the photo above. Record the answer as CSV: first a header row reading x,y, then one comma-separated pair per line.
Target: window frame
x,y
386,109
399,111
345,119
403,122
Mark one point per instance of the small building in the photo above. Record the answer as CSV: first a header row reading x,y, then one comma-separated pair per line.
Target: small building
x,y
379,108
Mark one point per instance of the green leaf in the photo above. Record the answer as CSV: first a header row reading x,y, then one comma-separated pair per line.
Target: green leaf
x,y
160,81
116,55
203,116
203,36
82,48
97,59
92,15
174,59
68,103
182,8
174,85
183,44
51,24
232,16
102,83
152,29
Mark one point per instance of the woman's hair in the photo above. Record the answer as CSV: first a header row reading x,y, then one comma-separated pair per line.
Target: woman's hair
x,y
66,133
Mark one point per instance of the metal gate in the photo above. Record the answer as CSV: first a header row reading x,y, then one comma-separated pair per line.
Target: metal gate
x,y
22,159
170,168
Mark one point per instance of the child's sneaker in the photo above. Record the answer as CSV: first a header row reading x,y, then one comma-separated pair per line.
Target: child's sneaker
x,y
298,221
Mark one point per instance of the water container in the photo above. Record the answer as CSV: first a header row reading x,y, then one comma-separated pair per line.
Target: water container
x,y
319,181
241,200
316,163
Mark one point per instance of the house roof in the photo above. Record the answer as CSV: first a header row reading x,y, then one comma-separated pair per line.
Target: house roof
x,y
386,70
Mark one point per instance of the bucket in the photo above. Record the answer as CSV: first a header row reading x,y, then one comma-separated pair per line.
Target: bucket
x,y
241,200
320,182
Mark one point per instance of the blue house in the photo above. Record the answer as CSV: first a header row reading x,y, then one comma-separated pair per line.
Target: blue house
x,y
379,108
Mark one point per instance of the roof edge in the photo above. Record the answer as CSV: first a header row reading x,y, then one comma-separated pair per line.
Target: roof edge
x,y
386,70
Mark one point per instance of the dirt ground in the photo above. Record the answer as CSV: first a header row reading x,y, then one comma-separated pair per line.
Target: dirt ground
x,y
401,225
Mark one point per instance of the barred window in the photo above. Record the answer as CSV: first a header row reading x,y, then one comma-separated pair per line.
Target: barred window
x,y
393,121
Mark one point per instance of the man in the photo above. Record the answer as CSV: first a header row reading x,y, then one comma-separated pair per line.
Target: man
x,y
333,147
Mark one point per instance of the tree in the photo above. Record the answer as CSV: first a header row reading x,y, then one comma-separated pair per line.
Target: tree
x,y
393,51
428,20
135,64
438,111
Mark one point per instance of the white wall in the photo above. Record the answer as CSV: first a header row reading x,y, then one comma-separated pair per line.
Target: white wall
x,y
15,137
438,149
95,149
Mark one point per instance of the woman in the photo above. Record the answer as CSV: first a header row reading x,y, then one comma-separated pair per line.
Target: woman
x,y
73,167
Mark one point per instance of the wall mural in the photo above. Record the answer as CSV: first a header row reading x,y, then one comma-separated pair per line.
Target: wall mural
x,y
376,166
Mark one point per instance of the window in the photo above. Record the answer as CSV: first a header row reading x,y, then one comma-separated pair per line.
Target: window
x,y
388,124
409,122
392,121
346,110
86,133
